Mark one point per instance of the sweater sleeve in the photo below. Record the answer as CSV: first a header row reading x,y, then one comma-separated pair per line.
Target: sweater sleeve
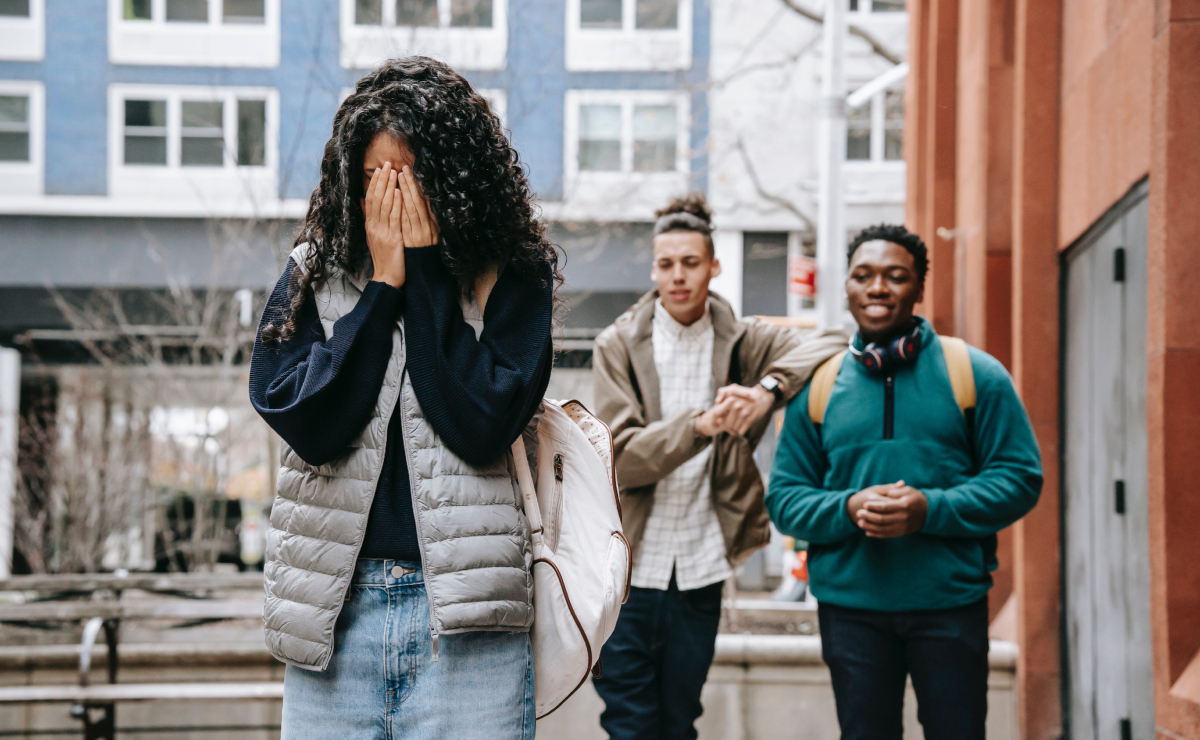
x,y
1009,480
796,498
318,393
478,394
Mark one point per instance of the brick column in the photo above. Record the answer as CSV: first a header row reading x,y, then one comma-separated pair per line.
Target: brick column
x,y
1173,383
1036,356
938,151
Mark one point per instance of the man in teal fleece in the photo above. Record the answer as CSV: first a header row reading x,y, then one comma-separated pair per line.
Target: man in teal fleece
x,y
899,494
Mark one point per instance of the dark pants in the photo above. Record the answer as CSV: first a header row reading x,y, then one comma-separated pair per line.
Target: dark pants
x,y
656,661
869,653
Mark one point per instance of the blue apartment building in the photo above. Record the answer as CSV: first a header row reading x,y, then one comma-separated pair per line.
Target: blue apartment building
x,y
141,141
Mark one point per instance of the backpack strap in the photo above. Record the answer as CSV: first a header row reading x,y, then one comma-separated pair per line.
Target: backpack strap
x,y
822,387
962,375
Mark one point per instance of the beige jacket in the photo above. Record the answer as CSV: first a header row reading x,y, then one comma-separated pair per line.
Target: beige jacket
x,y
649,447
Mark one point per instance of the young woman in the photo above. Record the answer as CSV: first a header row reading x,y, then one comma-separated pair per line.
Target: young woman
x,y
404,348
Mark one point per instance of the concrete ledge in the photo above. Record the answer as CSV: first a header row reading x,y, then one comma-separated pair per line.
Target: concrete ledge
x,y
733,650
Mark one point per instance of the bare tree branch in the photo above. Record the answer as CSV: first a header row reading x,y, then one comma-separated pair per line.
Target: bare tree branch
x,y
778,200
876,45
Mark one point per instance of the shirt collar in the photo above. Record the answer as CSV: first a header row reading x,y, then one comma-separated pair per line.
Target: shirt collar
x,y
666,322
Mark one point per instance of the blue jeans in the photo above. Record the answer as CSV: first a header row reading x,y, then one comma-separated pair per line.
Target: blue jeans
x,y
656,661
869,653
382,682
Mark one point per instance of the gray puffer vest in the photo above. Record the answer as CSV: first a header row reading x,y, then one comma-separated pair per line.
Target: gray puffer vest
x,y
471,529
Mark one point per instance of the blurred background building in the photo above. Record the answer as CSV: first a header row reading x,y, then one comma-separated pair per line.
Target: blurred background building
x,y
156,157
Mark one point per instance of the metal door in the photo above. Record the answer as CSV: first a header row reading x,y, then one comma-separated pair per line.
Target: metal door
x,y
1109,682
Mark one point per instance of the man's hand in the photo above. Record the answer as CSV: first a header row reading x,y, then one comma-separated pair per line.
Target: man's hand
x,y
712,421
746,406
382,208
888,511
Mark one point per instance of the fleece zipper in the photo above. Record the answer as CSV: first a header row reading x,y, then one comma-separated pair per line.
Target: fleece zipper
x,y
889,406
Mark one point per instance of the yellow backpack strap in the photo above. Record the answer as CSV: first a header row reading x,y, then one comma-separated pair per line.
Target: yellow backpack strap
x,y
822,386
962,376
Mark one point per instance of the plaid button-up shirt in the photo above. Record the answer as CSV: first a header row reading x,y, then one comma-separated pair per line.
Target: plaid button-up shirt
x,y
683,533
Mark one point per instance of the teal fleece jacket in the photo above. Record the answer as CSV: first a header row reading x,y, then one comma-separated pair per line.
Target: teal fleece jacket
x,y
975,487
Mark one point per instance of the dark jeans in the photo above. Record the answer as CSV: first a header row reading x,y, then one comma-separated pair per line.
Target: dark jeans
x,y
869,653
656,661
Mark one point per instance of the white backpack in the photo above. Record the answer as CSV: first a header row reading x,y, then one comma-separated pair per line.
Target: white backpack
x,y
582,563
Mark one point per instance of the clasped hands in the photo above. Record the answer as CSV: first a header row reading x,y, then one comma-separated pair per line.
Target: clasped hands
x,y
735,410
396,215
891,510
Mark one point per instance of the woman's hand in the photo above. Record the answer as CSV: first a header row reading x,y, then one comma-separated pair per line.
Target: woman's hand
x,y
382,209
417,223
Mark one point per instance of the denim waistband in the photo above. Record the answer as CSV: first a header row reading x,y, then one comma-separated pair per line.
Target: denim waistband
x,y
387,572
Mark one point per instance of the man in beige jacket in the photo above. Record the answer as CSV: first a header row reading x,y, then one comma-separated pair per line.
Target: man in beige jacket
x,y
688,390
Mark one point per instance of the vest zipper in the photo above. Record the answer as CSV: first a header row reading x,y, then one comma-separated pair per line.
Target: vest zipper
x,y
412,488
889,406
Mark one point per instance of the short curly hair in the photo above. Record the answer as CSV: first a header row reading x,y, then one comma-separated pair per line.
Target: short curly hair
x,y
476,185
899,236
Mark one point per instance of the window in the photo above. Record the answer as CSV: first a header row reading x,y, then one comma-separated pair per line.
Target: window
x,y
654,135
634,35
146,132
187,11
203,138
15,8
14,128
22,30
624,150
244,11
21,137
877,6
222,33
893,123
858,133
183,142
252,132
424,13
469,34
629,135
600,138
875,131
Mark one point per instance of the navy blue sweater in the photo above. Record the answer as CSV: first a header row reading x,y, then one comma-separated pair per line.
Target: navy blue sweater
x,y
318,392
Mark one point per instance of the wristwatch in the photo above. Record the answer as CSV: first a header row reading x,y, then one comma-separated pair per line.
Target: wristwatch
x,y
771,383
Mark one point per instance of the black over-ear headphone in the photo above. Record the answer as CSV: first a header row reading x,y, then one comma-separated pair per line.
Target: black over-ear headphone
x,y
880,359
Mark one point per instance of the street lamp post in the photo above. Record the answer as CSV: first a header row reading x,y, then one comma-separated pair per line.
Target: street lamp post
x,y
831,152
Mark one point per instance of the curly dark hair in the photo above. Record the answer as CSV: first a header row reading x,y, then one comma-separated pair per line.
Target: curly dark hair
x,y
686,213
899,236
476,186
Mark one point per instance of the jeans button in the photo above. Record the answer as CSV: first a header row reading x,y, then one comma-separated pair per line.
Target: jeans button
x,y
397,571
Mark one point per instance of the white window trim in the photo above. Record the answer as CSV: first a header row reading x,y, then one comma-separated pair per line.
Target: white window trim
x,y
210,185
24,39
623,194
628,48
211,44
27,178
366,46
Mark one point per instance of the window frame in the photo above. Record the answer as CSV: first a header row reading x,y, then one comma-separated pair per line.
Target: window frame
x,y
213,43
878,117
24,39
629,48
27,178
463,47
230,180
627,100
